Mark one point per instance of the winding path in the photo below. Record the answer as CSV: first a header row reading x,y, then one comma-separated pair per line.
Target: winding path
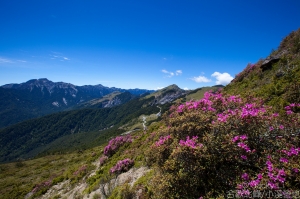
x,y
144,118
144,123
159,113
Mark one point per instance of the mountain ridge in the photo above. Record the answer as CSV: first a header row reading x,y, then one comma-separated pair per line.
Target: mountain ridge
x,y
38,97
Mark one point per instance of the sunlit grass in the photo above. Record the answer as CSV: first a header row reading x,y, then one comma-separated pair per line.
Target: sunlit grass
x,y
19,178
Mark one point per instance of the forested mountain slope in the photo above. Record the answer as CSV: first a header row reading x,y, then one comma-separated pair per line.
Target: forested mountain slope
x,y
38,97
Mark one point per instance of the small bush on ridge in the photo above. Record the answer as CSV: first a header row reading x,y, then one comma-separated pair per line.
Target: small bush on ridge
x,y
122,166
115,143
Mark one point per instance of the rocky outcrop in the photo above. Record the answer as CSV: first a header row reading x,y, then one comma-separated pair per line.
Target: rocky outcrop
x,y
168,94
272,59
67,190
111,103
169,97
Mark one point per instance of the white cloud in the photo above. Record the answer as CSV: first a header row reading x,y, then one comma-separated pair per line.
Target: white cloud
x,y
158,88
11,61
201,79
3,60
59,56
222,78
186,88
23,61
178,72
171,74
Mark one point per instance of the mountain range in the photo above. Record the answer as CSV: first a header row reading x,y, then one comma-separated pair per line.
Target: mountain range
x,y
38,97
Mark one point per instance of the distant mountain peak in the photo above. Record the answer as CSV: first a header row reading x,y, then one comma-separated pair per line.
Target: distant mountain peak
x,y
167,94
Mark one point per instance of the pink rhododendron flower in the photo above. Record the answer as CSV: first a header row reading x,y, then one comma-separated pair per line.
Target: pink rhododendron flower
x,y
245,176
244,157
190,142
162,140
295,170
281,126
284,160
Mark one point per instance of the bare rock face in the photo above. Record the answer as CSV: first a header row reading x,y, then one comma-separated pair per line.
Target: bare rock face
x,y
111,103
168,94
66,190
170,97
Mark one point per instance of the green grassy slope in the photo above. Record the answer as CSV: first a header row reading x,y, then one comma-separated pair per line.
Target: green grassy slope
x,y
276,79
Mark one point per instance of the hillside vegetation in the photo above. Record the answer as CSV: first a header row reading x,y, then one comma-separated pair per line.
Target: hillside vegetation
x,y
275,79
241,142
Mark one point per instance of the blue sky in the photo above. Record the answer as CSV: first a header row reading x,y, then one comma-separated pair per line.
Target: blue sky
x,y
139,44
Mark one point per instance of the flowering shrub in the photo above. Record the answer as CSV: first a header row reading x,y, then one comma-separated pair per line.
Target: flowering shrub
x,y
122,166
223,143
42,186
103,159
115,143
81,170
190,142
249,68
162,140
160,150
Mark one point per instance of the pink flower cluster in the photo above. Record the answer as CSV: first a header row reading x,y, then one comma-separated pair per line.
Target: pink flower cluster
x,y
180,108
235,99
44,184
275,175
222,117
290,107
245,176
242,145
115,143
162,140
122,166
239,137
292,151
253,183
190,142
256,182
251,110
103,159
205,104
80,170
